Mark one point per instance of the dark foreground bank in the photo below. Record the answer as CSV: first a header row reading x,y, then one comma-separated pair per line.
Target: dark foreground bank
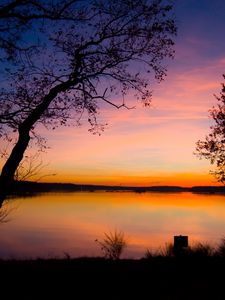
x,y
92,278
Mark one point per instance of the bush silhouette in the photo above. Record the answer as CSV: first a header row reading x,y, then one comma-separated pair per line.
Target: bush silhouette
x,y
221,248
113,244
200,250
165,251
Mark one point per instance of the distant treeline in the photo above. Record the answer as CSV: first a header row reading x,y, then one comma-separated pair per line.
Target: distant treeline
x,y
37,187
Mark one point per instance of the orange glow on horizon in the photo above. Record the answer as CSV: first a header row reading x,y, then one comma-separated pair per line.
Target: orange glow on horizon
x,y
184,180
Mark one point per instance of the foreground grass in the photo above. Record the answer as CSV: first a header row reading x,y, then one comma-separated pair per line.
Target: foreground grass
x,y
158,278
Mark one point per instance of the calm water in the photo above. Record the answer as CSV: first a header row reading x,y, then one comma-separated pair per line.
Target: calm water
x,y
50,225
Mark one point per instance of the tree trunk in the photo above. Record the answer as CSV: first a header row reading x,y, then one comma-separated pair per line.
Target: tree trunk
x,y
16,156
12,163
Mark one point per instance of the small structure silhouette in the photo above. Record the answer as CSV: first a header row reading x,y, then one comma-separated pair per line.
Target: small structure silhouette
x,y
180,244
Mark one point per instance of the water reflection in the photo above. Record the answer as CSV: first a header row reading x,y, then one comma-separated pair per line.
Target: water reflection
x,y
6,211
50,225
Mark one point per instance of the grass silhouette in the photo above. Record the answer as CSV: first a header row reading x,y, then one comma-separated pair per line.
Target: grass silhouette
x,y
198,250
220,251
113,244
160,275
161,278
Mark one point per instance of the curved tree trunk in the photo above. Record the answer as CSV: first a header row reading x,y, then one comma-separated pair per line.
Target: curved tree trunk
x,y
16,156
12,163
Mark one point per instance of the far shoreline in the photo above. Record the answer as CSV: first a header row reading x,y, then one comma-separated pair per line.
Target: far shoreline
x,y
39,187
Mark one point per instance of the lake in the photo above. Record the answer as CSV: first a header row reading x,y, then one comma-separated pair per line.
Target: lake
x,y
56,224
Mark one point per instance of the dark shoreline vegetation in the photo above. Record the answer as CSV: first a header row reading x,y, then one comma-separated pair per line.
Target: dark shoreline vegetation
x,y
161,278
195,273
23,187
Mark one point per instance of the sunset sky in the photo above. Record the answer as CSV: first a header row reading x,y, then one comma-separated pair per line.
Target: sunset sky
x,y
154,146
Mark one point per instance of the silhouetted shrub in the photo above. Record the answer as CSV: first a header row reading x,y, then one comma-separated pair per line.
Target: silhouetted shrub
x,y
221,248
200,250
113,244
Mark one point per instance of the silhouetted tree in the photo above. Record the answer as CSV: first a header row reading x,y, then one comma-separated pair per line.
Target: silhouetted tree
x,y
31,167
213,147
111,48
18,16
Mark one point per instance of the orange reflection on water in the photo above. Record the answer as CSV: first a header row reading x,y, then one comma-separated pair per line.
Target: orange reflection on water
x,y
53,224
